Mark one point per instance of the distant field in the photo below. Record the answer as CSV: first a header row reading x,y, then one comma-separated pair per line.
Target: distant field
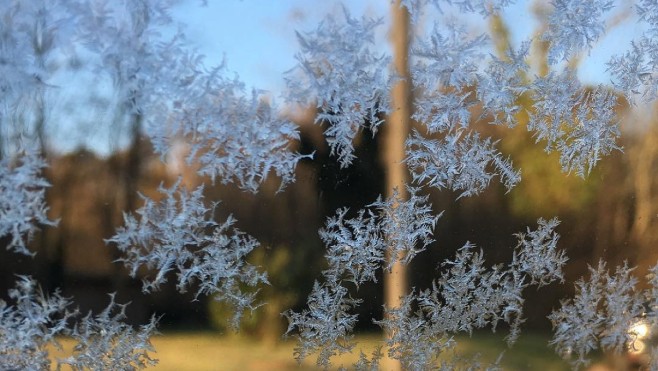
x,y
207,351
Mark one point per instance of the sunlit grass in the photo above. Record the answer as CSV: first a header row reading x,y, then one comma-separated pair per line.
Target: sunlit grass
x,y
211,351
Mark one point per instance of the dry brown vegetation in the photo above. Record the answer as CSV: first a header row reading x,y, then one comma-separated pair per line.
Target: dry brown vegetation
x,y
207,351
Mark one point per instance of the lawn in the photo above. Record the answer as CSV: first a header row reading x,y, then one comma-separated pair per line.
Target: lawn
x,y
201,351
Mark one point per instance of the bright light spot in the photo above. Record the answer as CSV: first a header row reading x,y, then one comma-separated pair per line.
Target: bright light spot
x,y
639,330
636,347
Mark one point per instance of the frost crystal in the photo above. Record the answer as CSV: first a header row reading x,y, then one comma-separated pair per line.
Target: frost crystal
x,y
601,313
502,84
106,343
648,11
581,124
338,73
412,338
326,325
355,251
22,200
635,72
573,26
458,159
415,8
355,247
444,111
484,8
555,97
406,225
372,364
466,297
125,37
233,137
449,59
537,254
470,296
30,325
247,143
29,36
178,234
460,162
103,341
593,135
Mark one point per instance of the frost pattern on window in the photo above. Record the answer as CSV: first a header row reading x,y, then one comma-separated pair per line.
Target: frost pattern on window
x,y
446,66
249,143
22,200
579,123
537,255
104,342
406,225
14,77
356,250
234,137
366,363
178,234
239,138
635,72
502,84
469,296
648,11
415,8
124,36
449,58
326,326
555,97
593,134
651,297
30,325
484,8
355,247
574,26
599,316
339,73
29,37
460,162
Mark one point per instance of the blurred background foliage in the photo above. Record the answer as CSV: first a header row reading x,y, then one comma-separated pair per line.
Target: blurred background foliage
x,y
613,214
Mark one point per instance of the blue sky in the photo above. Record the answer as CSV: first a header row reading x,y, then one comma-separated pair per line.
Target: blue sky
x,y
258,37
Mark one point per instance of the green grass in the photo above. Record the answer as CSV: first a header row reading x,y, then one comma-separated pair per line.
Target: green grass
x,y
210,351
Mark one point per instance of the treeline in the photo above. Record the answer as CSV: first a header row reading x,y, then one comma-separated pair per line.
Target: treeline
x,y
613,214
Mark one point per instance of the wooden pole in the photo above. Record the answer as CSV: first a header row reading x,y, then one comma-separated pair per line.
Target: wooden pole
x,y
395,134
